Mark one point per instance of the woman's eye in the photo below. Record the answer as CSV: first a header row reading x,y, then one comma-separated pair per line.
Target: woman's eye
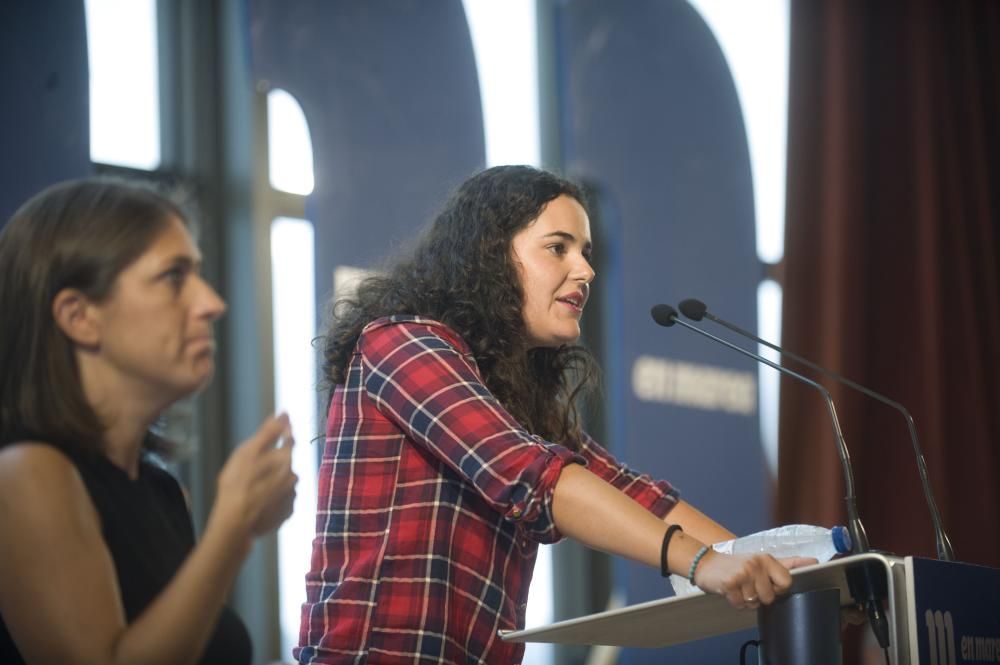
x,y
175,277
557,248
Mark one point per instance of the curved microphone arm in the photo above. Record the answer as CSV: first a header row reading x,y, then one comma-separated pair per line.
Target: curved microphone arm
x,y
696,310
667,316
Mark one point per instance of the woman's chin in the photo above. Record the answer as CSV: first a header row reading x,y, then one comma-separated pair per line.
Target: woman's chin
x,y
196,382
555,341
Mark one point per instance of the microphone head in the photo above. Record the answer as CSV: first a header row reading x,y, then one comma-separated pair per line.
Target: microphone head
x,y
664,315
693,309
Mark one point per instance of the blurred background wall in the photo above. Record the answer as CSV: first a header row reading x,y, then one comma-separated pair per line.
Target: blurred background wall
x,y
825,174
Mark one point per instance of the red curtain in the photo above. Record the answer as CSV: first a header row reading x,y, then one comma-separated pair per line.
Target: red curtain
x,y
892,268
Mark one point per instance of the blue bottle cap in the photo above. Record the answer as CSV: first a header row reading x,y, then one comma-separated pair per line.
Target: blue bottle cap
x,y
841,539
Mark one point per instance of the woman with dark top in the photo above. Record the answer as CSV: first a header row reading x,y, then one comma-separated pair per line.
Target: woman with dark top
x,y
106,322
453,445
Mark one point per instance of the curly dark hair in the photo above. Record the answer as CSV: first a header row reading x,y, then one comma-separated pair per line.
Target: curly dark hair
x,y
462,273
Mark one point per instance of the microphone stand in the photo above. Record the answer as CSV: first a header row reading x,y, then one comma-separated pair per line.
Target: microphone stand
x,y
695,310
667,316
864,587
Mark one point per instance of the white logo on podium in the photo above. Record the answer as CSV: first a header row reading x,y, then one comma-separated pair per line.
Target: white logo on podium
x,y
941,635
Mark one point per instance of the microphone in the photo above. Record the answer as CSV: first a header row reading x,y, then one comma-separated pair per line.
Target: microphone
x,y
696,310
861,580
666,316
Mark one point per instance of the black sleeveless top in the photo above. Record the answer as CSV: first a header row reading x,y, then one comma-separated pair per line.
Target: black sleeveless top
x,y
148,530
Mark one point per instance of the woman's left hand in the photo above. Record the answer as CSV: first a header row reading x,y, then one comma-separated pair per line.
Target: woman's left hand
x,y
747,582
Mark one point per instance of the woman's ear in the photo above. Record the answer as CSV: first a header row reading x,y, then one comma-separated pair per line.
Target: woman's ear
x,y
74,314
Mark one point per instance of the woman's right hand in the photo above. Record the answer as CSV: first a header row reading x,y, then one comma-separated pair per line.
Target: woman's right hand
x,y
256,487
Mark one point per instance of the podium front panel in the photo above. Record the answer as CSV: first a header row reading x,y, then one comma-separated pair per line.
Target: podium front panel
x,y
954,609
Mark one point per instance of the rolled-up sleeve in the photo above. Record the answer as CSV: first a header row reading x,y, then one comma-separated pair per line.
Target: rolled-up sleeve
x,y
657,496
421,381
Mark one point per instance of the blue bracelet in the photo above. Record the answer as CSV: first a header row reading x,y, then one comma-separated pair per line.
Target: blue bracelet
x,y
694,562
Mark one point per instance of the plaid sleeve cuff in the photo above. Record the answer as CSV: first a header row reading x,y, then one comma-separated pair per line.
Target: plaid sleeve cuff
x,y
532,511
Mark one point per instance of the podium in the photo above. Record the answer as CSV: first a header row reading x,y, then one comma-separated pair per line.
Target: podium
x,y
940,613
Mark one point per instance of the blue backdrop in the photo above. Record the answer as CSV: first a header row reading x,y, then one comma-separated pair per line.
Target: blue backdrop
x,y
45,115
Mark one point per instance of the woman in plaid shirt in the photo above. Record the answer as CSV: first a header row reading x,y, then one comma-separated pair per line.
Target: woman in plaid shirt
x,y
453,446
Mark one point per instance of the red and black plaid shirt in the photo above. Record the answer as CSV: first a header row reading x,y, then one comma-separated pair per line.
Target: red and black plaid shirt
x,y
432,502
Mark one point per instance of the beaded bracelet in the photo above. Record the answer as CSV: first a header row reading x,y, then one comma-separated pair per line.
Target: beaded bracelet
x,y
671,530
694,562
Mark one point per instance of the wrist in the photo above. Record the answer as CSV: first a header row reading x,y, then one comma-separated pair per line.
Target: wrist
x,y
683,549
229,529
696,562
664,547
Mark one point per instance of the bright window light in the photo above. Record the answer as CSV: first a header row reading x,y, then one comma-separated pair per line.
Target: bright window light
x,y
505,41
769,327
290,158
293,310
124,83
754,39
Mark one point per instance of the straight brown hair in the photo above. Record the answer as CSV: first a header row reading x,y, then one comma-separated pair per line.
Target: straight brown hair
x,y
78,234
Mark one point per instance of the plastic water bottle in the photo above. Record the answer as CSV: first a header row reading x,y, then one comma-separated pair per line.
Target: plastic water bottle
x,y
805,540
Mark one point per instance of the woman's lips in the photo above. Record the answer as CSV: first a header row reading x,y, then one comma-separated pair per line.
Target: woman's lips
x,y
573,304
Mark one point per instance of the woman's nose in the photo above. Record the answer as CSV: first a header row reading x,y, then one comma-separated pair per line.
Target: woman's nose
x,y
585,272
211,304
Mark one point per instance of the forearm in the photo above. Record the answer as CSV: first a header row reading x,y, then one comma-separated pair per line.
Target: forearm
x,y
176,627
256,493
589,510
697,524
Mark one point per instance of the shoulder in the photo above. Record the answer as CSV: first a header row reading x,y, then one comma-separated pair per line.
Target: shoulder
x,y
38,479
398,330
31,459
584,444
596,455
413,351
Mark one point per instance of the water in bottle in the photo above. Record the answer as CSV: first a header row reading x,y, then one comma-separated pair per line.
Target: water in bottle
x,y
791,540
